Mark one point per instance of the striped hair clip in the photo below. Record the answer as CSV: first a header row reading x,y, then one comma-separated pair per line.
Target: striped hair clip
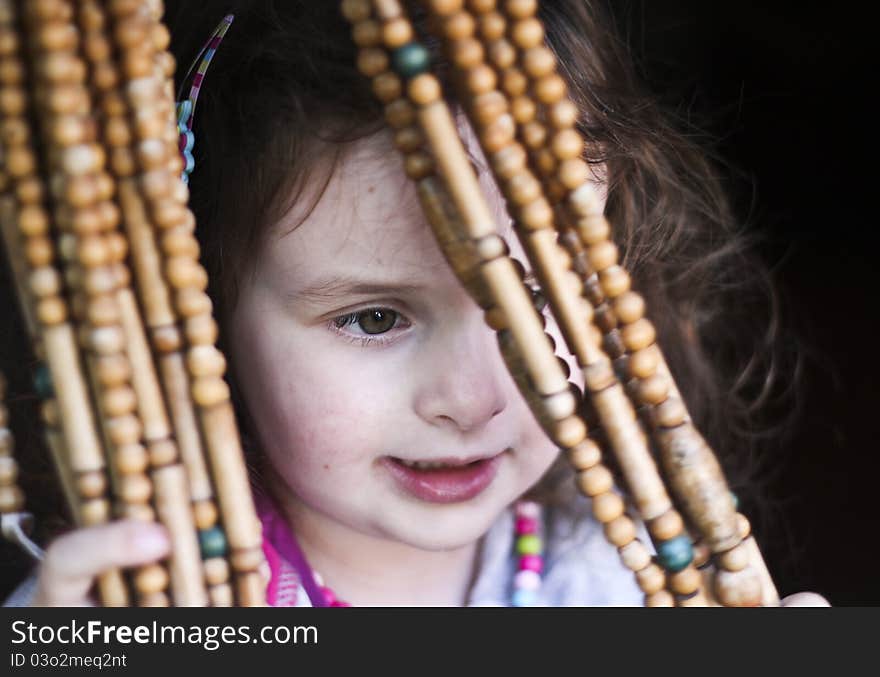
x,y
186,108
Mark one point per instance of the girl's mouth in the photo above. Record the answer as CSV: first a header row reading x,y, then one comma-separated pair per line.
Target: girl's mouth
x,y
445,480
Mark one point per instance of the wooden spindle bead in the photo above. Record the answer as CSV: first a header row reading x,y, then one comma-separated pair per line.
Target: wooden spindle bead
x,y
670,414
735,559
738,588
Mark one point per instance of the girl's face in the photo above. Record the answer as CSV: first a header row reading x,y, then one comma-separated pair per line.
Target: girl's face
x,y
365,364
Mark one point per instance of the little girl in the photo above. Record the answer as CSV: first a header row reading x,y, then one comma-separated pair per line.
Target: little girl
x,y
394,460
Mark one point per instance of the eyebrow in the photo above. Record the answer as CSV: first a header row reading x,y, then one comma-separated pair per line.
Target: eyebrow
x,y
334,288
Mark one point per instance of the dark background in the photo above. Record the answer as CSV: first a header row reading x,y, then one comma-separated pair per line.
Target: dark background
x,y
784,93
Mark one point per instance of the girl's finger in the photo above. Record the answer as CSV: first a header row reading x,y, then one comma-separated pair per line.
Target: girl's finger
x,y
805,599
74,561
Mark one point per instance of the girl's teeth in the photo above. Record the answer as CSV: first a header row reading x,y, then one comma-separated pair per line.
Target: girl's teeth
x,y
424,465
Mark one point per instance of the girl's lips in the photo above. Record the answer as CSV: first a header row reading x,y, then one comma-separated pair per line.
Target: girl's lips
x,y
450,484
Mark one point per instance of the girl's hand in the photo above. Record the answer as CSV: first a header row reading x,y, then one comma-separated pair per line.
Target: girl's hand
x,y
804,599
75,560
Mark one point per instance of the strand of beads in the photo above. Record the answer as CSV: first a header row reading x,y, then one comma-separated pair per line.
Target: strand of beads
x,y
529,549
161,452
88,218
557,160
146,66
11,495
496,128
81,441
696,476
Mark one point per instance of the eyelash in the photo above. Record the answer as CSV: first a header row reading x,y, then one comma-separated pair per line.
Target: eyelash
x,y
338,323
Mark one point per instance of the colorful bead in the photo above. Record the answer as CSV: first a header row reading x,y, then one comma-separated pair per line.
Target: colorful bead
x,y
43,382
531,563
527,580
528,509
528,544
526,525
524,598
212,542
410,60
675,554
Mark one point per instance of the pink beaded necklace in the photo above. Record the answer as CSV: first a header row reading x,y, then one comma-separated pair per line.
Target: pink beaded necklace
x,y
530,563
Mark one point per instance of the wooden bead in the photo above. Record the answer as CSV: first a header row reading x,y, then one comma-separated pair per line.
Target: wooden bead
x,y
569,431
424,89
660,599
489,107
595,480
738,588
459,26
514,82
629,307
131,459
536,215
685,582
735,559
667,526
523,188
107,340
651,579
216,570
356,10
573,173
585,455
418,165
599,375
367,33
51,311
29,190
199,330
397,33
563,114
523,110
509,161
156,600
135,488
8,470
408,139
118,401
445,7
607,507
123,430
372,61
91,484
502,54
45,281
103,311
192,302
221,595
210,391
94,511
480,79
560,405
400,113
205,360
205,514
481,6
11,499
702,555
527,33
621,531
248,559
643,363
635,555
140,512
151,579
162,452
14,131
640,334
567,144
615,281
670,413
520,9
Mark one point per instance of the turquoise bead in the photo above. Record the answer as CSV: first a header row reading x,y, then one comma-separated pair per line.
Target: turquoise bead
x,y
528,544
43,382
522,597
212,542
735,499
675,554
410,60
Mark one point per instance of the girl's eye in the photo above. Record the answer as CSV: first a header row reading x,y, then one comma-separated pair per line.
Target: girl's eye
x,y
371,321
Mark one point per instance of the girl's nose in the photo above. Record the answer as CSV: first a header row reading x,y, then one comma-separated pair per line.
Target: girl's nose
x,y
465,384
